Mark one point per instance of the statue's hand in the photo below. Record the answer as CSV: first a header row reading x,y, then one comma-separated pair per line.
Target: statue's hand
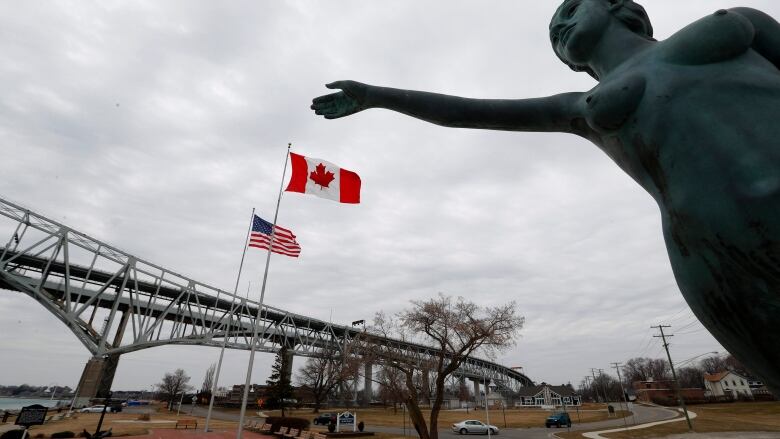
x,y
350,100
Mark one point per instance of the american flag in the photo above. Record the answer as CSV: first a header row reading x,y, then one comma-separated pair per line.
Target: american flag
x,y
284,240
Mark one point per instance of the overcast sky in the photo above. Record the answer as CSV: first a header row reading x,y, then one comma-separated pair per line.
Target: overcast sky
x,y
157,126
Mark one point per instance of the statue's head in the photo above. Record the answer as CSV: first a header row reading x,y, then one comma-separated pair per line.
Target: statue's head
x,y
578,25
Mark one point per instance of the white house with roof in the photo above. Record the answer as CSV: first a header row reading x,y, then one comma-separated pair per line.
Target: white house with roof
x,y
728,383
546,395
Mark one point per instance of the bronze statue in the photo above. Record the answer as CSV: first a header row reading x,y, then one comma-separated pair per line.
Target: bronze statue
x,y
694,119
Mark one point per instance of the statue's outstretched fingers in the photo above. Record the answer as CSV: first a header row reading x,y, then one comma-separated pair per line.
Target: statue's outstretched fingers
x,y
336,84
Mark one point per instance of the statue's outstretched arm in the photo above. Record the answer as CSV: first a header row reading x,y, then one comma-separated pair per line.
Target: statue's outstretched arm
x,y
557,113
767,33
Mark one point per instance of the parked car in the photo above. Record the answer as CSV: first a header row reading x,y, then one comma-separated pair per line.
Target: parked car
x,y
93,409
473,426
325,418
559,420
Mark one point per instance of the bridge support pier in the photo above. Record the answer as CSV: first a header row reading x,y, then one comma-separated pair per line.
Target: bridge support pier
x,y
477,398
368,374
96,379
287,365
426,387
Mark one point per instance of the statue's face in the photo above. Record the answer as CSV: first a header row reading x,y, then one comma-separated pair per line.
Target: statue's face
x,y
577,27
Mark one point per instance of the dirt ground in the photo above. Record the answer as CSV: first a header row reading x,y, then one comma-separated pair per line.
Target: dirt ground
x,y
734,417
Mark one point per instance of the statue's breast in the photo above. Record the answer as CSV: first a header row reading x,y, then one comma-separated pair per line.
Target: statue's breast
x,y
609,105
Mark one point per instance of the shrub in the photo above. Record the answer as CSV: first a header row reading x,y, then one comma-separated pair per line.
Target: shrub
x,y
332,427
63,434
145,417
361,426
278,422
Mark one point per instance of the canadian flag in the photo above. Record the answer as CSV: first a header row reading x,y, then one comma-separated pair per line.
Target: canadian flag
x,y
323,179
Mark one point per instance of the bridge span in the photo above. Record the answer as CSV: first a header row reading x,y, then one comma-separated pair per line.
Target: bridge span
x,y
117,303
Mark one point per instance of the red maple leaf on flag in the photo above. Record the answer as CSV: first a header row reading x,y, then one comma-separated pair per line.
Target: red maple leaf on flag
x,y
321,177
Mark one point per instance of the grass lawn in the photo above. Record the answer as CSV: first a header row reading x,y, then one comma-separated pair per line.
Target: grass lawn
x,y
738,416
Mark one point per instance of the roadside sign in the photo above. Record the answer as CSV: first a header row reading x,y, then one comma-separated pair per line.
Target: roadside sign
x,y
32,415
346,419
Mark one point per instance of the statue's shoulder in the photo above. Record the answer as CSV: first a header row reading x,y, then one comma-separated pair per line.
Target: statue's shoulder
x,y
717,37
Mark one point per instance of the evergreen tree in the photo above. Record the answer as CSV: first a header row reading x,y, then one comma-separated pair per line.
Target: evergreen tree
x,y
279,388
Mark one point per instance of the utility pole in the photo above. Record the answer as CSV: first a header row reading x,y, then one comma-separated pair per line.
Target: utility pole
x,y
596,389
603,386
623,390
674,374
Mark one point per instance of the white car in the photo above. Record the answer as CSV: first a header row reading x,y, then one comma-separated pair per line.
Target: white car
x,y
93,409
473,426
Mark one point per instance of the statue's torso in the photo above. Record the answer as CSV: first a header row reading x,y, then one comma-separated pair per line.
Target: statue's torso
x,y
690,134
704,140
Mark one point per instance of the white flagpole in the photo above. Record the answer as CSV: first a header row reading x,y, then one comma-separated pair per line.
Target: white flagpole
x,y
230,323
260,306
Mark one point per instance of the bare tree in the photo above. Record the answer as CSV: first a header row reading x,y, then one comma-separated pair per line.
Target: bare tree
x,y
717,363
457,329
645,369
326,372
208,380
172,385
392,387
690,378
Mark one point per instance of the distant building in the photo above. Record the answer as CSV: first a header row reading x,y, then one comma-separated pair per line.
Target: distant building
x,y
728,383
547,395
662,391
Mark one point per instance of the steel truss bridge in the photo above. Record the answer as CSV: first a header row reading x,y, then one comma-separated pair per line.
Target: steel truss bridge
x,y
117,303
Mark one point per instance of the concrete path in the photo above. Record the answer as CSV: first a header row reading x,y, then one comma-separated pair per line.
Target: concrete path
x,y
598,434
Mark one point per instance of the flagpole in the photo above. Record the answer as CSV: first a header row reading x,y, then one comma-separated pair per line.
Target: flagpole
x,y
260,307
230,323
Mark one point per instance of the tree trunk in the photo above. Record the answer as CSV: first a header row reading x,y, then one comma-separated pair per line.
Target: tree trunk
x,y
418,420
436,407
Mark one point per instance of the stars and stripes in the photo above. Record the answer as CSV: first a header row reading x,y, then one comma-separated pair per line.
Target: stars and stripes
x,y
284,241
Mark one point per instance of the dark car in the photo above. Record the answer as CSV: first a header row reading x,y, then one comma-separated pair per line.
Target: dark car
x,y
325,419
558,420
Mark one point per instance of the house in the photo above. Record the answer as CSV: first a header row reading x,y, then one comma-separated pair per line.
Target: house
x,y
728,383
546,395
662,392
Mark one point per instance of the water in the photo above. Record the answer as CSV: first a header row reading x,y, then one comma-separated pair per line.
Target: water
x,y
18,403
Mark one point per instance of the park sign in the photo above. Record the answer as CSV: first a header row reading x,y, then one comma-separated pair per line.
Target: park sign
x,y
32,415
346,419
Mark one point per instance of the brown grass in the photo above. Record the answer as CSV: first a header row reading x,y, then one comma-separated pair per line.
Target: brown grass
x,y
515,418
740,416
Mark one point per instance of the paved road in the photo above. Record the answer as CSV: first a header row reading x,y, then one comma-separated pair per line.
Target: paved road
x,y
642,414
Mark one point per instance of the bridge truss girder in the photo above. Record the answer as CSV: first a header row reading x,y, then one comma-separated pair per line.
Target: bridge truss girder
x,y
116,303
